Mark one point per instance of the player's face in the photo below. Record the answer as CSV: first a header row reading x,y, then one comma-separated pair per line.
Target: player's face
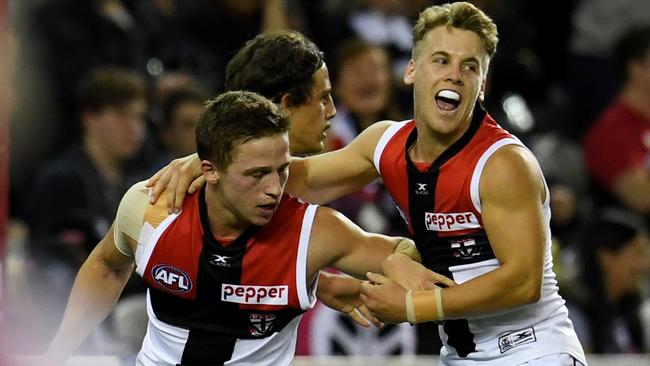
x,y
447,74
251,186
310,121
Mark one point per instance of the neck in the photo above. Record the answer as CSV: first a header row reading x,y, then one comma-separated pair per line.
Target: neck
x,y
637,99
224,224
107,165
430,145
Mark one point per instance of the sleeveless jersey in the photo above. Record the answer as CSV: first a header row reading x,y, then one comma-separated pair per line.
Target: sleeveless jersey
x,y
442,209
210,304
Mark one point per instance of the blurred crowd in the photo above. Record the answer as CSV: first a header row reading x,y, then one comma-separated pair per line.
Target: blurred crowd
x,y
108,91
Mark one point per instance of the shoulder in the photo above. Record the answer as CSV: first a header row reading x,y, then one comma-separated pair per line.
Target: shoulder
x,y
137,193
510,170
130,217
375,131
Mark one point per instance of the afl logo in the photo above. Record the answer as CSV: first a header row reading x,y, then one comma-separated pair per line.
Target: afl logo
x,y
171,278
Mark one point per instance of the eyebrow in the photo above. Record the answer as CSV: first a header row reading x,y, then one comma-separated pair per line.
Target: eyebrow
x,y
257,169
446,54
263,169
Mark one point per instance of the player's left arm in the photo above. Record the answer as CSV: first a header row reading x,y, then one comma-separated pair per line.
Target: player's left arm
x,y
339,243
512,194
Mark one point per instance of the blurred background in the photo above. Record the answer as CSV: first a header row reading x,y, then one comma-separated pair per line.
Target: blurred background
x,y
99,94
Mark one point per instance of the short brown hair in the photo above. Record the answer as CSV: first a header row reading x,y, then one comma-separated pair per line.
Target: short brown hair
x,y
110,87
232,119
461,15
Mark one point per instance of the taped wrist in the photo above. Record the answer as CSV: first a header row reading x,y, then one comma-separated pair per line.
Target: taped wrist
x,y
407,247
424,306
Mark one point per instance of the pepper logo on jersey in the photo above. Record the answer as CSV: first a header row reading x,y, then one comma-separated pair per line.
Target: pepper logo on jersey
x,y
261,324
171,278
450,221
264,295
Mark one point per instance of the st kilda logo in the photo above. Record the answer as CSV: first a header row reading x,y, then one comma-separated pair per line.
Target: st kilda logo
x,y
171,278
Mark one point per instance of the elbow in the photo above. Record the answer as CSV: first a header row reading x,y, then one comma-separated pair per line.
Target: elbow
x,y
530,291
533,295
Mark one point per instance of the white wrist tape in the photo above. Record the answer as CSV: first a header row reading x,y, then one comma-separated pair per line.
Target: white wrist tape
x,y
410,309
438,294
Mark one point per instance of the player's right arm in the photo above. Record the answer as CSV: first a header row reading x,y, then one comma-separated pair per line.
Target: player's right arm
x,y
101,278
325,177
98,285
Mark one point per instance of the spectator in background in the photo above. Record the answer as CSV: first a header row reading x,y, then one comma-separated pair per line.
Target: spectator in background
x,y
363,86
179,114
591,80
79,36
222,27
76,195
615,256
617,147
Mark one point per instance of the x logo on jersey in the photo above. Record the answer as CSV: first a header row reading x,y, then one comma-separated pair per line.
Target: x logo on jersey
x,y
219,260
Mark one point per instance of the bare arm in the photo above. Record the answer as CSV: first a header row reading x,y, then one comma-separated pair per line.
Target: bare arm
x,y
98,285
323,178
512,192
633,189
339,243
318,179
341,293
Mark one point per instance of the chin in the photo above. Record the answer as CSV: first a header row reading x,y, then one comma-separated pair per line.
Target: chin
x,y
260,221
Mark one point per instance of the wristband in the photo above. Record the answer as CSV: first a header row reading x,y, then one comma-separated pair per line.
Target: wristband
x,y
438,293
410,310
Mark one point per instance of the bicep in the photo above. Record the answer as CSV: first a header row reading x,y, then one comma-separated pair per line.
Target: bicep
x,y
512,194
339,243
107,253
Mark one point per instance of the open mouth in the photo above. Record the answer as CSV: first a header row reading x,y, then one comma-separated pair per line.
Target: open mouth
x,y
448,100
268,207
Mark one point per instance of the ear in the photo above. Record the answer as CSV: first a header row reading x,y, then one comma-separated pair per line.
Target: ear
x,y
209,171
284,102
409,74
481,93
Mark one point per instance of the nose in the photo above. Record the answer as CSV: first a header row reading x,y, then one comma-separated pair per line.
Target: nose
x,y
274,186
331,109
454,75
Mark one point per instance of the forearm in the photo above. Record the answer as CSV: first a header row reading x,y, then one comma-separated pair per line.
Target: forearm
x,y
406,247
306,182
498,290
95,292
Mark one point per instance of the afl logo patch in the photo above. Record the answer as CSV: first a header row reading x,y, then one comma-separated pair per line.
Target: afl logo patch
x,y
171,278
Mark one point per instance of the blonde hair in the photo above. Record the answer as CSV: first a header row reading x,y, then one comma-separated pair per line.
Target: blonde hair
x,y
461,15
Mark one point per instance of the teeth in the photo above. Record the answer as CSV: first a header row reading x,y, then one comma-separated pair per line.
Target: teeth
x,y
449,94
